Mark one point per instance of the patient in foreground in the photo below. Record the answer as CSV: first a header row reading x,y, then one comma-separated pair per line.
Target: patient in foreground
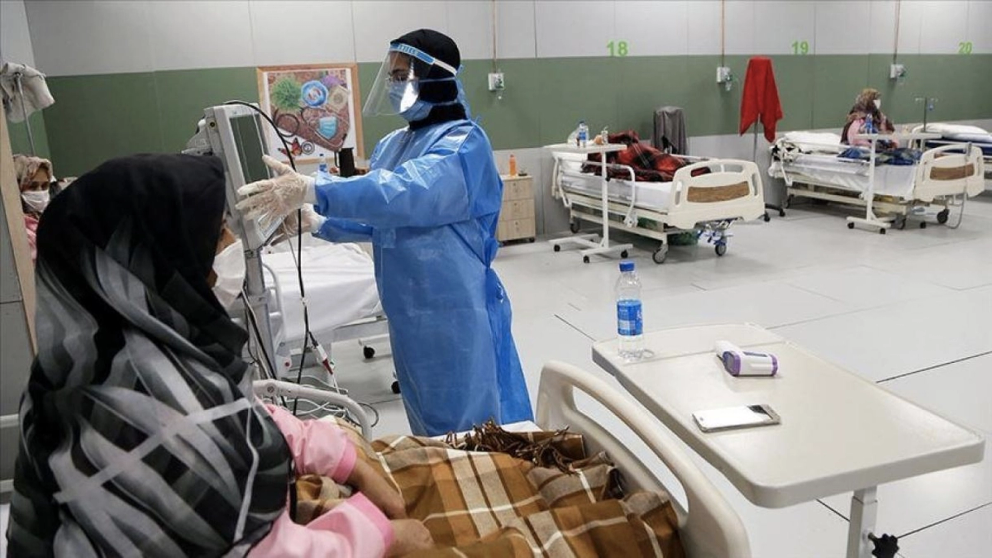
x,y
139,430
140,434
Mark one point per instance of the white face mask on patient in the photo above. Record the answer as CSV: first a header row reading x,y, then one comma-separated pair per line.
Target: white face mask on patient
x,y
36,199
229,266
878,104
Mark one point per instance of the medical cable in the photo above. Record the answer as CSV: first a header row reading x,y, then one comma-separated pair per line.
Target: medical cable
x,y
307,334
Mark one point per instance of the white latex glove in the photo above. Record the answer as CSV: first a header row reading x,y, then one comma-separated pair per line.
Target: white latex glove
x,y
274,198
311,224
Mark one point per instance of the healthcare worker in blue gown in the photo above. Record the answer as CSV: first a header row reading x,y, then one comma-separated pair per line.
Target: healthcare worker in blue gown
x,y
429,205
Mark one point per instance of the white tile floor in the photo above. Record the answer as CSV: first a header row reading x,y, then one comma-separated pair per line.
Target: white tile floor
x,y
910,309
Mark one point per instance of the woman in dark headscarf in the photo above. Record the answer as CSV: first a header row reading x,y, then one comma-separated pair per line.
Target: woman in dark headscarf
x,y
868,103
139,432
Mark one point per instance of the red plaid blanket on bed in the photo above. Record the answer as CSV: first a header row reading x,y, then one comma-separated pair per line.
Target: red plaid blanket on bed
x,y
649,164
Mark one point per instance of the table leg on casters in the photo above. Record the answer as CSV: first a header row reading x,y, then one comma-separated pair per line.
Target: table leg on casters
x,y
864,509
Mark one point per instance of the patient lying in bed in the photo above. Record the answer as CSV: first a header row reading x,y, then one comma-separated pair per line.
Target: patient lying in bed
x,y
505,494
649,164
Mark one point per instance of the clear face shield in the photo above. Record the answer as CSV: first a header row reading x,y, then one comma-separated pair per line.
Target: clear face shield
x,y
396,89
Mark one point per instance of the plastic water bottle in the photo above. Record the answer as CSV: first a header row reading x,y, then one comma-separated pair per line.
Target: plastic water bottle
x,y
583,134
322,167
870,125
630,325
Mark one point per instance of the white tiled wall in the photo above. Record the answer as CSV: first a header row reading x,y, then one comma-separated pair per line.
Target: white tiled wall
x,y
840,27
779,24
945,25
578,28
85,37
213,34
331,37
15,40
516,29
640,23
80,37
377,23
882,25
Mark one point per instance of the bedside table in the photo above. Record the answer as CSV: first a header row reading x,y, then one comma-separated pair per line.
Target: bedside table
x,y
516,216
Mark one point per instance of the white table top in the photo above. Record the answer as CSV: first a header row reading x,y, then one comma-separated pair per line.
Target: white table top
x,y
590,148
839,432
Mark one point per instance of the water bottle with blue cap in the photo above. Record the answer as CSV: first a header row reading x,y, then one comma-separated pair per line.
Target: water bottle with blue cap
x,y
630,323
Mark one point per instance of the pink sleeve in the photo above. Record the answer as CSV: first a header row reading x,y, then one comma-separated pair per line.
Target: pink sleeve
x,y
854,129
319,448
355,528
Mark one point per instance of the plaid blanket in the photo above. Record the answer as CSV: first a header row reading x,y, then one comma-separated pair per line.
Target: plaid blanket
x,y
649,164
478,503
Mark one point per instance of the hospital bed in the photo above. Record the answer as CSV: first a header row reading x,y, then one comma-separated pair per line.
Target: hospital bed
x,y
944,176
708,525
959,133
341,296
706,204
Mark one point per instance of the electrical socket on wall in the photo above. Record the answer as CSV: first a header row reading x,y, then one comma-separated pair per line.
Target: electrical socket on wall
x,y
496,81
723,74
897,71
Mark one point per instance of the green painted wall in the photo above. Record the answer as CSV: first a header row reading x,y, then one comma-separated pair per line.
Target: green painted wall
x,y
19,137
99,117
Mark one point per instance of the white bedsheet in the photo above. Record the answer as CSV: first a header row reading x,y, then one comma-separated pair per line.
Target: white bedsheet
x,y
890,180
340,286
650,195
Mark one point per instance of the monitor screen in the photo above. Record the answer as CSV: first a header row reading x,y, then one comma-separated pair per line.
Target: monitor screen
x,y
248,136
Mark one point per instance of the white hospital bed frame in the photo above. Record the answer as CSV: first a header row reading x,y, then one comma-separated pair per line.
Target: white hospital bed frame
x,y
927,190
681,214
709,528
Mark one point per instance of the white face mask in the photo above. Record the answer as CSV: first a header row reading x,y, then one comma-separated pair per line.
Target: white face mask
x,y
36,199
229,266
878,103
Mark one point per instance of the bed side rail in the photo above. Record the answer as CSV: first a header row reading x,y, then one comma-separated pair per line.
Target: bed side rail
x,y
270,389
951,169
711,528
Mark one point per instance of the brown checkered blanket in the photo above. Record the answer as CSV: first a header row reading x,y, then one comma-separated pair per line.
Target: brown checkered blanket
x,y
479,503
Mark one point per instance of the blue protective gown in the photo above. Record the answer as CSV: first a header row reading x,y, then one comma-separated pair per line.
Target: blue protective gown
x,y
430,205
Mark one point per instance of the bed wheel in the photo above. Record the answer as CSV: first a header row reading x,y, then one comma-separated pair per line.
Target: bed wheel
x,y
369,352
923,225
900,223
585,259
574,227
767,217
721,249
557,248
659,255
781,213
882,230
395,387
623,254
850,225
943,215
788,202
532,239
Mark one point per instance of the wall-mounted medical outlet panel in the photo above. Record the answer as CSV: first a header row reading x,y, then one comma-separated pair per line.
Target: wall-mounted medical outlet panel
x,y
723,74
897,71
496,82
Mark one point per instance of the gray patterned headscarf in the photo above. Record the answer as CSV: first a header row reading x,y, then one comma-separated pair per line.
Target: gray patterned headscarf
x,y
139,435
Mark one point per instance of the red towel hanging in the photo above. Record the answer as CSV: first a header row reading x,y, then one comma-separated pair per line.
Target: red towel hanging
x,y
760,97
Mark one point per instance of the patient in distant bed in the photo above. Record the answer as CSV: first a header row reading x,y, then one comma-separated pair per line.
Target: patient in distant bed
x,y
868,103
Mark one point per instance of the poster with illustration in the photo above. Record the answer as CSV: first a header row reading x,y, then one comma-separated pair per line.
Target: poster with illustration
x,y
315,107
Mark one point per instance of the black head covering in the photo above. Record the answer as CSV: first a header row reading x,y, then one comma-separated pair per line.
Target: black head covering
x,y
136,432
443,48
